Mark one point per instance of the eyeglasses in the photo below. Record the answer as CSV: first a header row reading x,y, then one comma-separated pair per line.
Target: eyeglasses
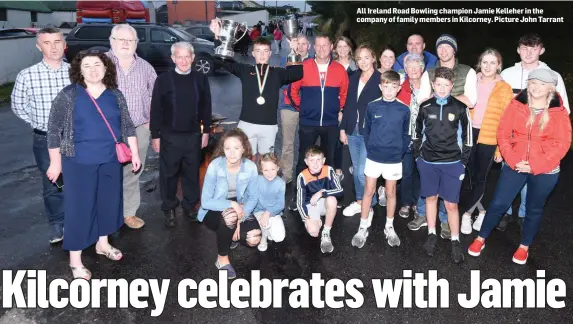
x,y
123,40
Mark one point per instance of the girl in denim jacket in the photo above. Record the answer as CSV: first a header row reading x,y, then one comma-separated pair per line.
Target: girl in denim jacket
x,y
271,200
228,197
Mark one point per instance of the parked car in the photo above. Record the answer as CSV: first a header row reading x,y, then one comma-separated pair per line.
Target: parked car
x,y
154,45
14,32
200,31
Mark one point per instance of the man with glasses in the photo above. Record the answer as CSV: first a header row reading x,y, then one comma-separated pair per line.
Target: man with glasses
x,y
34,90
261,84
135,79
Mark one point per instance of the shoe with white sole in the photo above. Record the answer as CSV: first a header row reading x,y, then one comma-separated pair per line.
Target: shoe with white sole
x,y
466,227
382,196
360,237
391,236
478,222
352,209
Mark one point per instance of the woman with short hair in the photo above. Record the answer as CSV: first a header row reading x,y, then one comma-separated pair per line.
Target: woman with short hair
x,y
87,119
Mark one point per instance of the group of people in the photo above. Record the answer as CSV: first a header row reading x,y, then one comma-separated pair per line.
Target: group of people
x,y
417,119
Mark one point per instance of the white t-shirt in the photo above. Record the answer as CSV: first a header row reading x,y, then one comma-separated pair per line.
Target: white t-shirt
x,y
360,88
322,68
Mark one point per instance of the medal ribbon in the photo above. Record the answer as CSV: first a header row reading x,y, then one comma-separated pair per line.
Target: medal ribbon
x,y
262,86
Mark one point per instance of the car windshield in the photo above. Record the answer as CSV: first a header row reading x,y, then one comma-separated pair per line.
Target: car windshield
x,y
183,35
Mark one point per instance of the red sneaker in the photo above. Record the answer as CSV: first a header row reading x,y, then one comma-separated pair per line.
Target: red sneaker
x,y
520,256
476,247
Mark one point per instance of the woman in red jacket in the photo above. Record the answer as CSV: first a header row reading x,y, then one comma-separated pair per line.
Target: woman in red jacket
x,y
534,134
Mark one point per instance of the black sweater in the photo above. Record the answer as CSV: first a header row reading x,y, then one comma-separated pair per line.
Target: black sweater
x,y
180,103
252,112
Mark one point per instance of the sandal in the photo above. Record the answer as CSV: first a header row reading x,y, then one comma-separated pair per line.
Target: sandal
x,y
112,254
81,272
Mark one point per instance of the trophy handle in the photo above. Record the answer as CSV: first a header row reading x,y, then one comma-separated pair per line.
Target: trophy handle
x,y
245,33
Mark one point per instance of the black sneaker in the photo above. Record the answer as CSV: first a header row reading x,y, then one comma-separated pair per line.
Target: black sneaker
x,y
502,226
430,245
292,206
457,252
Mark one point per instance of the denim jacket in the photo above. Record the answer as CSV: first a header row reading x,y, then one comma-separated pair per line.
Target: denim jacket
x,y
271,195
216,187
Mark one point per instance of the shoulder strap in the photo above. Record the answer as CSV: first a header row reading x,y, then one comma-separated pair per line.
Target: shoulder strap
x,y
102,116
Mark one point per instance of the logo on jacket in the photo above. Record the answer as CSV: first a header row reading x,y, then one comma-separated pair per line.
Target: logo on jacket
x,y
451,117
376,116
432,117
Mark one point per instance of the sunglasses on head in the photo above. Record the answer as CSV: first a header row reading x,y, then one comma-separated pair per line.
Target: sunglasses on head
x,y
91,51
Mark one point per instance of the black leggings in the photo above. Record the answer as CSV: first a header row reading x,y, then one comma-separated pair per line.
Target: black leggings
x,y
481,160
224,224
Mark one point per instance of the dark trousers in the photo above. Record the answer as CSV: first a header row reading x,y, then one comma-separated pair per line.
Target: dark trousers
x,y
215,221
53,197
508,186
94,202
179,155
481,160
410,183
308,135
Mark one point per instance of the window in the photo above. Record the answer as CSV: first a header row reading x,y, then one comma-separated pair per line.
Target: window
x,y
162,36
34,16
94,32
3,15
140,34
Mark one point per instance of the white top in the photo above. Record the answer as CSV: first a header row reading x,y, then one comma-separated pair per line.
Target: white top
x,y
470,88
360,88
322,67
516,76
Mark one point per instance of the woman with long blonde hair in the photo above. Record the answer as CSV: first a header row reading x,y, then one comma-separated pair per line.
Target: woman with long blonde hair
x,y
534,135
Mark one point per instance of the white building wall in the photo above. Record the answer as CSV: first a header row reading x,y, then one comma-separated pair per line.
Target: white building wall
x,y
44,20
60,17
17,19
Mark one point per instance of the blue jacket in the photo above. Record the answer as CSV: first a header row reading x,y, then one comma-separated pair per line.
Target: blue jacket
x,y
320,103
307,184
216,187
386,128
355,109
271,195
430,60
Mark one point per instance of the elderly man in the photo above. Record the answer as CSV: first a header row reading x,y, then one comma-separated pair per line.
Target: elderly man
x,y
288,114
34,90
415,45
181,123
135,79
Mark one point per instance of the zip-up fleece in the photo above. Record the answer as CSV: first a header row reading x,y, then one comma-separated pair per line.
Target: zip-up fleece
x,y
518,142
516,76
436,131
386,127
319,106
308,184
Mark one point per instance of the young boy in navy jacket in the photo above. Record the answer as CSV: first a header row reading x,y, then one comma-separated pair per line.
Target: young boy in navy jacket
x,y
317,189
386,136
441,156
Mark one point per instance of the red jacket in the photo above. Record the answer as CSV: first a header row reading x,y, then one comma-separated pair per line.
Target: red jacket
x,y
542,149
405,94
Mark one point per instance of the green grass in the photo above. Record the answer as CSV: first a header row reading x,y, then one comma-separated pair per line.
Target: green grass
x,y
6,91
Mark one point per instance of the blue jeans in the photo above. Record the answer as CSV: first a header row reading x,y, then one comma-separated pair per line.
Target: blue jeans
x,y
53,197
410,184
508,186
521,212
441,208
357,149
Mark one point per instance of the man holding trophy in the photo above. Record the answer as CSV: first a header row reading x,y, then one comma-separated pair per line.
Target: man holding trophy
x,y
260,84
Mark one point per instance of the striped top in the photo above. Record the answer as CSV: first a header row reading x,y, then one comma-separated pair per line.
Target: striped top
x,y
136,84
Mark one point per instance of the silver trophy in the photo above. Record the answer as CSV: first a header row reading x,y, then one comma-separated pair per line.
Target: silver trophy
x,y
228,37
290,28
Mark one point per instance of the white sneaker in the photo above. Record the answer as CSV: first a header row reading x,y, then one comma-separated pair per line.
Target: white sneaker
x,y
382,196
263,245
466,224
391,236
478,221
352,209
360,237
326,243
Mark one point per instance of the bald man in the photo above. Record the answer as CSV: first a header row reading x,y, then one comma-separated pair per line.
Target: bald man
x,y
415,45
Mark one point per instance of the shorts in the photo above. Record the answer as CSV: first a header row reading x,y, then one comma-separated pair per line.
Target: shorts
x,y
444,180
389,171
261,137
